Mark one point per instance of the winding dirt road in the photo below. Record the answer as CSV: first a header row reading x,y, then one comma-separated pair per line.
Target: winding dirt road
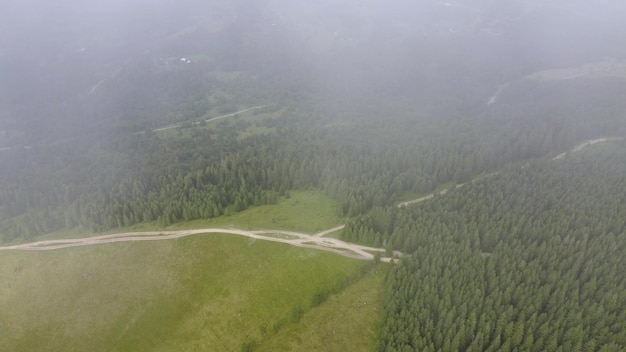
x,y
577,148
298,239
316,241
587,143
176,125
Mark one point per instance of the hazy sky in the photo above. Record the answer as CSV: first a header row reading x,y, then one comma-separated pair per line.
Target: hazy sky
x,y
53,53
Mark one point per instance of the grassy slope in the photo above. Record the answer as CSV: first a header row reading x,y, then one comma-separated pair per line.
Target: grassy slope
x,y
345,322
305,211
209,292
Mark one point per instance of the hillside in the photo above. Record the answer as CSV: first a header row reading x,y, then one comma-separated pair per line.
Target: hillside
x,y
214,292
505,120
527,259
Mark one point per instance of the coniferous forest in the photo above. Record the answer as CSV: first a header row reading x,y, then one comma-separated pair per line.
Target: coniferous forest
x,y
208,109
527,259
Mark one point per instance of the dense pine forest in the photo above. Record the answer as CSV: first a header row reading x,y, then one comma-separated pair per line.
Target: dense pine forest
x,y
369,117
197,172
528,259
204,110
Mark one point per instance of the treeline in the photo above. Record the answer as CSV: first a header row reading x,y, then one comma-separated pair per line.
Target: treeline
x,y
374,121
365,162
529,259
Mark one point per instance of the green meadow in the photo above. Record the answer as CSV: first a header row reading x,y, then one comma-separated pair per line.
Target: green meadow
x,y
213,292
201,293
347,321
303,211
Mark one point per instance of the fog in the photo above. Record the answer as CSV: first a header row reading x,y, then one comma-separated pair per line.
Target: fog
x,y
166,154
80,63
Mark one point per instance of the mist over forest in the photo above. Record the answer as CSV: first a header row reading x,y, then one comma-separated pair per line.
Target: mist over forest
x,y
478,144
72,66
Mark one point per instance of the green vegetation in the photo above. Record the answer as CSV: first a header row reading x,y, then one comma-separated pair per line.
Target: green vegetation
x,y
346,321
303,211
529,259
208,174
212,292
364,106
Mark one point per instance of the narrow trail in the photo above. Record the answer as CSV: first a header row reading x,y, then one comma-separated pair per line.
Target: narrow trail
x,y
443,191
176,125
494,97
587,143
329,231
111,76
93,89
421,199
577,148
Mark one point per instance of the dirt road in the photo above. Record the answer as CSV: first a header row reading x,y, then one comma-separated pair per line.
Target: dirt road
x,y
587,143
176,125
316,241
560,156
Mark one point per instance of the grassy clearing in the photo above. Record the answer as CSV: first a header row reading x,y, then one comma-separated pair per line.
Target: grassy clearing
x,y
256,130
248,121
256,126
303,211
210,293
347,321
